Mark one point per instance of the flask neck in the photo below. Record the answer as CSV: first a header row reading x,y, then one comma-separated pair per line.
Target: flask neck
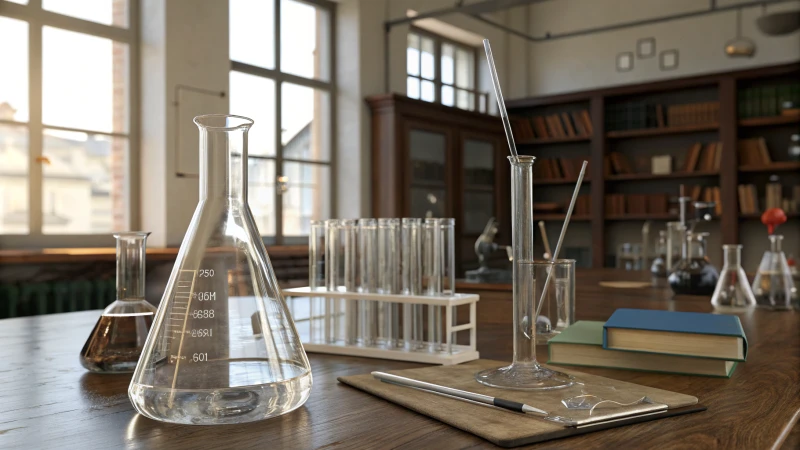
x,y
732,256
775,242
223,163
131,249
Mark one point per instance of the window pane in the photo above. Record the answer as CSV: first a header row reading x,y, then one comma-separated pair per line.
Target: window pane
x,y
447,67
108,12
14,72
482,103
305,123
447,95
83,186
462,99
305,35
307,197
261,194
21,2
427,63
427,91
412,55
254,97
13,179
252,32
464,69
412,87
471,101
84,81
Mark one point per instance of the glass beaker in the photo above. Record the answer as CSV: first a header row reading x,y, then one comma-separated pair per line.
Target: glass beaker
x,y
733,290
223,348
116,342
558,310
676,236
659,266
773,286
694,274
524,373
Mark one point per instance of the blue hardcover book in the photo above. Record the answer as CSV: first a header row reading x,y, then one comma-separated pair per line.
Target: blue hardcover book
x,y
701,335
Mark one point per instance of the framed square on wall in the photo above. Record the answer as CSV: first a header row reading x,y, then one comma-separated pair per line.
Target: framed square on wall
x,y
625,62
646,48
668,59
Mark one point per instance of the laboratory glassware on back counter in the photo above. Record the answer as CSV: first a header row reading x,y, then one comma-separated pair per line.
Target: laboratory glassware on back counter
x,y
223,347
119,335
733,290
773,286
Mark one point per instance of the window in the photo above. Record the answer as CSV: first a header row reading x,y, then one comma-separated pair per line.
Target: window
x,y
281,77
442,71
66,133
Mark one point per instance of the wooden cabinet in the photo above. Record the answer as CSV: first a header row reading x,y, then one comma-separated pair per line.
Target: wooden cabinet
x,y
430,160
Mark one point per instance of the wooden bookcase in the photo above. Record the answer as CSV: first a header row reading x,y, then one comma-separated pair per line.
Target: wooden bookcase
x,y
728,89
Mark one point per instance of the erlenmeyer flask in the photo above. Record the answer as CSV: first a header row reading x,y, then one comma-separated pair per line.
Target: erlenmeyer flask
x,y
223,347
118,337
773,286
733,290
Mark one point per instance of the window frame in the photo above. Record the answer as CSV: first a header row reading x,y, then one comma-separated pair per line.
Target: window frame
x,y
438,42
279,78
37,18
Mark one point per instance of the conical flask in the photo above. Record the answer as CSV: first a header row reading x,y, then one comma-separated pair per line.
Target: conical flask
x,y
732,291
773,286
223,348
118,337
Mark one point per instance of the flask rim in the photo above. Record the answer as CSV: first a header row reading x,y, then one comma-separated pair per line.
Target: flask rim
x,y
223,122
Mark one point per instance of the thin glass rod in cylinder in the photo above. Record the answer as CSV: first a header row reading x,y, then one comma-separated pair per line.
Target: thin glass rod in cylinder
x,y
524,373
116,342
223,348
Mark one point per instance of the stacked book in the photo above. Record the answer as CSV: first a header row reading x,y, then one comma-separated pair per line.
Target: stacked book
x,y
654,341
637,115
620,204
554,126
749,203
748,199
583,206
753,152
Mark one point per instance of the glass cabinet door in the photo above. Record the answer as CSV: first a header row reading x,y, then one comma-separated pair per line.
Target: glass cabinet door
x,y
427,149
478,160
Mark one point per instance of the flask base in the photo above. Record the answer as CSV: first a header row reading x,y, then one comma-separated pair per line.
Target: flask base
x,y
221,406
524,377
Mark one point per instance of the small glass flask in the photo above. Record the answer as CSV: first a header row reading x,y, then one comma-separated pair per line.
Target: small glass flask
x,y
119,335
794,147
773,286
733,290
694,274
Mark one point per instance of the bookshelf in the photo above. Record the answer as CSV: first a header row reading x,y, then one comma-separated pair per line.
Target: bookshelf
x,y
737,106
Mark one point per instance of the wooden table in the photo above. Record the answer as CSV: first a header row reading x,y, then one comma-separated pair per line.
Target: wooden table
x,y
47,400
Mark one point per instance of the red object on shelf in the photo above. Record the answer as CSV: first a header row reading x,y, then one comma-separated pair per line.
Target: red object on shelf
x,y
772,218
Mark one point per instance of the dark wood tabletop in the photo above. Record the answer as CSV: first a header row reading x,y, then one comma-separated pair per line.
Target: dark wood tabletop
x,y
47,400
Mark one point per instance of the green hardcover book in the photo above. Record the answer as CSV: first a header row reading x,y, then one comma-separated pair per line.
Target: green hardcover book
x,y
581,344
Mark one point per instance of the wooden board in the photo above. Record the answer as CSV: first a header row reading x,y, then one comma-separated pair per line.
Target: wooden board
x,y
501,427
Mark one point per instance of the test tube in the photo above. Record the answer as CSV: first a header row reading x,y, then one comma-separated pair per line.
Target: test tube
x,y
350,248
389,279
368,280
333,256
411,242
432,250
447,228
316,277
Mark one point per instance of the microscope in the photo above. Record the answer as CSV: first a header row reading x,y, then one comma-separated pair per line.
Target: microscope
x,y
484,247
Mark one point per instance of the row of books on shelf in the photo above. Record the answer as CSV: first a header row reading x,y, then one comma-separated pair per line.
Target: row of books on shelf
x,y
619,204
749,201
753,152
764,101
642,114
583,206
559,169
554,126
703,158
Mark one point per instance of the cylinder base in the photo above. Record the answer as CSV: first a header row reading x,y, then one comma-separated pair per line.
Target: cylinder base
x,y
524,377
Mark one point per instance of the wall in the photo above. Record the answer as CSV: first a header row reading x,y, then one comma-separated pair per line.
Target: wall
x,y
587,62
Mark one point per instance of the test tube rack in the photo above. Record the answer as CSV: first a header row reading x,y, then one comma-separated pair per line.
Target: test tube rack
x,y
314,313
